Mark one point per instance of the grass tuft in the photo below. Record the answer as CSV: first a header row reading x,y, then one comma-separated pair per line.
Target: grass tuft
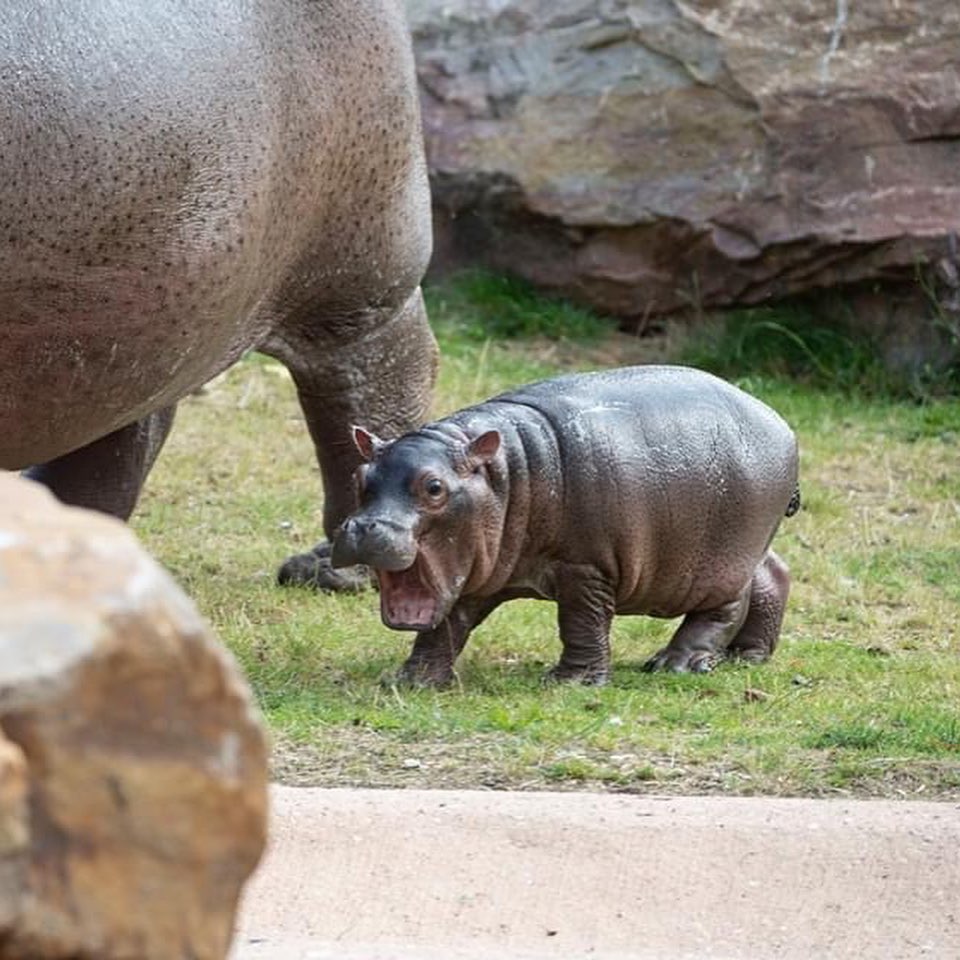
x,y
792,342
484,306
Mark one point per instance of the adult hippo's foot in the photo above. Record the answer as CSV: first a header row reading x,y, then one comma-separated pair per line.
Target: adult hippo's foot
x,y
313,569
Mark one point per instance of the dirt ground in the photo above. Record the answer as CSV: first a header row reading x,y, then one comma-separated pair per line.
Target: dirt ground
x,y
463,875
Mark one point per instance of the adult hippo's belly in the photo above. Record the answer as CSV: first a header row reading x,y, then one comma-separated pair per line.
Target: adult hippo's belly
x,y
184,181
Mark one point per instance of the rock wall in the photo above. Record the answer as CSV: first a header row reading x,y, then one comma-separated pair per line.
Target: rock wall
x,y
646,156
132,762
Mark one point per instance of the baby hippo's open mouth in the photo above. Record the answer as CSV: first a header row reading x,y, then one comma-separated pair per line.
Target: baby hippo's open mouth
x,y
406,601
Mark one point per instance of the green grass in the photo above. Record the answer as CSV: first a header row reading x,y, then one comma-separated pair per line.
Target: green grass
x,y
482,306
862,697
812,343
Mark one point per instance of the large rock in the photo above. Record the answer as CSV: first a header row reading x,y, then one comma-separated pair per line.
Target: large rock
x,y
132,762
645,156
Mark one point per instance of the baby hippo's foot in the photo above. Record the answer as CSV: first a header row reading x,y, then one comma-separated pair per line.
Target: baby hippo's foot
x,y
701,639
673,660
754,654
594,675
421,673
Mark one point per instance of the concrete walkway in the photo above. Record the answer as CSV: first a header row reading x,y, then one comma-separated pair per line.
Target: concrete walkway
x,y
433,875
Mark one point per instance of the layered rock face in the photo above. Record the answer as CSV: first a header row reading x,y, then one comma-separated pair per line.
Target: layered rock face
x,y
132,762
645,156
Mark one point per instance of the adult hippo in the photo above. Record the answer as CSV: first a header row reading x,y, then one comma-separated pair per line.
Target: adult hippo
x,y
183,181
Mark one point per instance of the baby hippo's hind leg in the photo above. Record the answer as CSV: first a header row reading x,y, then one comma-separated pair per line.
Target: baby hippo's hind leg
x,y
702,638
757,638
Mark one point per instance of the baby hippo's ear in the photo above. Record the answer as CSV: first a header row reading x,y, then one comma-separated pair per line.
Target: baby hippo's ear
x,y
483,449
367,443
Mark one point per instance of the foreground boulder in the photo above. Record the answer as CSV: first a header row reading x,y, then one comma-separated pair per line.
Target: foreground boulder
x,y
648,157
132,762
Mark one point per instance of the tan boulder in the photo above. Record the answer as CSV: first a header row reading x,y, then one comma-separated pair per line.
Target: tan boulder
x,y
133,769
14,830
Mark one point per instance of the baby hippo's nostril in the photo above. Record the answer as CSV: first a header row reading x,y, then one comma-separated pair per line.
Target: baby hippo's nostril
x,y
344,551
379,542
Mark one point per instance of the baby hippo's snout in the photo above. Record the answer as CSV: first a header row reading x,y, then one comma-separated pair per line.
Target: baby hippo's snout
x,y
379,542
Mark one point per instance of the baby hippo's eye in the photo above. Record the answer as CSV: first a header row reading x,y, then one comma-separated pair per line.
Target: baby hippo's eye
x,y
434,488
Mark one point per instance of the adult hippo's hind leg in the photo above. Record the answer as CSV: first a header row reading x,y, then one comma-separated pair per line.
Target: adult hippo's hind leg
x,y
757,638
108,474
381,379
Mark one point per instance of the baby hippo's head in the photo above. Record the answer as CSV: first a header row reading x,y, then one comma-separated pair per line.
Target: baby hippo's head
x,y
423,500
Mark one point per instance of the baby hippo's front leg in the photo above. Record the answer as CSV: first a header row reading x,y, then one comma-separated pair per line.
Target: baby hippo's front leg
x,y
585,611
430,663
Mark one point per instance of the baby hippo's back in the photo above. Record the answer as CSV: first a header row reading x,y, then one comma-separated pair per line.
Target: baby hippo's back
x,y
674,481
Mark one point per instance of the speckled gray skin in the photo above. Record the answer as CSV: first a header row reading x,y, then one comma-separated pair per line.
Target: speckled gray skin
x,y
184,181
653,490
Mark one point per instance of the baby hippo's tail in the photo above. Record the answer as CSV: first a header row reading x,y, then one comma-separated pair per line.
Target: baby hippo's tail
x,y
794,505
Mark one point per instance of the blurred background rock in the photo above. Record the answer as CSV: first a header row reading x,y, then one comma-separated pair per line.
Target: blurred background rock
x,y
658,158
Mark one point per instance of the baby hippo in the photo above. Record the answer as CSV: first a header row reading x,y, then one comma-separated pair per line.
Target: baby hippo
x,y
652,489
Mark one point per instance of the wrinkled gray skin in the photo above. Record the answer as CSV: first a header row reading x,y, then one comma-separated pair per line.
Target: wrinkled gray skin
x,y
653,490
185,180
